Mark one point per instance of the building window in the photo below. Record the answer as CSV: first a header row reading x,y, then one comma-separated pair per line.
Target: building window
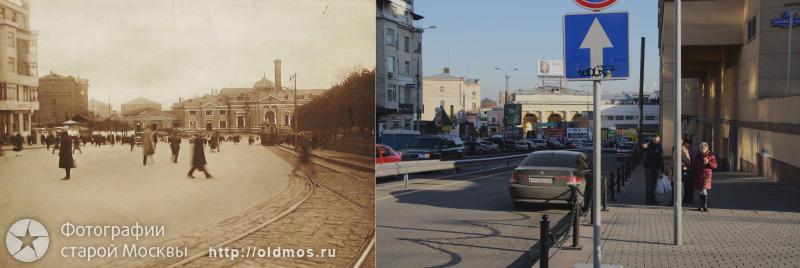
x,y
12,64
390,36
619,117
391,93
192,113
223,112
286,120
649,117
406,43
209,112
11,39
628,117
407,68
609,117
390,65
193,124
474,106
751,28
441,90
223,124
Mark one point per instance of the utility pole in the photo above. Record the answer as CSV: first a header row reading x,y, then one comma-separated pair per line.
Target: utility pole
x,y
296,114
641,97
790,8
676,154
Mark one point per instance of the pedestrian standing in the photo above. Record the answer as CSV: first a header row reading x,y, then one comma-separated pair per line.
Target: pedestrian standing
x,y
654,167
687,173
148,147
199,157
251,140
65,159
50,140
132,141
174,146
305,158
17,142
704,169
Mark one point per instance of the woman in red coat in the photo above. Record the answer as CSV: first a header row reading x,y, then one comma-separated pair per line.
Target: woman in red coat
x,y
705,164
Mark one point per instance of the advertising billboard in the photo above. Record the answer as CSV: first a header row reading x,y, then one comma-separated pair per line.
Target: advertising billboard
x,y
551,68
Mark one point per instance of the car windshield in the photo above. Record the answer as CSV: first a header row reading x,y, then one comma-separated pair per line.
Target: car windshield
x,y
625,147
550,160
424,143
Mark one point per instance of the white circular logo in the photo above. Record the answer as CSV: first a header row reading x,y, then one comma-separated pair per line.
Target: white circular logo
x,y
27,240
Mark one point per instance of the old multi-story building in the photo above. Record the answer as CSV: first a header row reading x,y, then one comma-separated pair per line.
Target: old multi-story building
x,y
458,96
62,97
99,109
139,104
266,107
736,92
18,71
399,66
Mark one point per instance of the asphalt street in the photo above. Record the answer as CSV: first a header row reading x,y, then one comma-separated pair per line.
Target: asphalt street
x,y
464,219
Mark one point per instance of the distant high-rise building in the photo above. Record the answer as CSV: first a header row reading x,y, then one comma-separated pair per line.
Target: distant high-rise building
x,y
18,71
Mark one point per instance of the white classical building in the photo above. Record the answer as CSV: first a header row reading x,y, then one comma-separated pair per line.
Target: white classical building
x,y
458,96
551,104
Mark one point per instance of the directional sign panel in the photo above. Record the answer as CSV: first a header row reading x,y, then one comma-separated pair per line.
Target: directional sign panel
x,y
596,46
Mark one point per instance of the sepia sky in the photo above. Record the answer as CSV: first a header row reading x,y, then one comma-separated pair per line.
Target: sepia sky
x,y
165,49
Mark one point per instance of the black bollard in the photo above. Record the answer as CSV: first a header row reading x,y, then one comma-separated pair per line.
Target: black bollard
x,y
604,193
576,210
611,184
619,172
619,183
544,236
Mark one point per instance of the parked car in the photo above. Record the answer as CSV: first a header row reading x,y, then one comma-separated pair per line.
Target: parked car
x,y
504,144
555,145
546,176
521,146
539,143
576,144
531,146
434,147
385,154
625,150
474,148
490,147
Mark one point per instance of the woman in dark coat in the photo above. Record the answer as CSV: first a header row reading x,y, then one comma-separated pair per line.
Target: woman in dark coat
x,y
705,164
65,159
199,158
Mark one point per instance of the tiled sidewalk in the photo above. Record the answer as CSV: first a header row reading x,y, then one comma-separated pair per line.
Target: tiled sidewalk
x,y
752,223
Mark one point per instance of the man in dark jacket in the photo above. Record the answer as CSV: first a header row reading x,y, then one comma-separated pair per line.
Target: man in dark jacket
x,y
653,167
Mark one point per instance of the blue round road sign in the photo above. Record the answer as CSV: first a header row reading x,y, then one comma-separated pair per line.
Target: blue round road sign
x,y
595,5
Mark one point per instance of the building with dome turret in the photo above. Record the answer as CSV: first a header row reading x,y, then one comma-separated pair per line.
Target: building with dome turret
x,y
266,107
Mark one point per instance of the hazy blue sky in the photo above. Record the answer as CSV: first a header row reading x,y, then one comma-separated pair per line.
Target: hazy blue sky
x,y
481,35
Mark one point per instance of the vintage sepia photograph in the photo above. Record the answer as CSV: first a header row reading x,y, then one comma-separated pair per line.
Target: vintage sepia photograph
x,y
171,133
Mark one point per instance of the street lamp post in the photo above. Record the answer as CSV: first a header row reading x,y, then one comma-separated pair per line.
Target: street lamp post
x,y
791,8
506,99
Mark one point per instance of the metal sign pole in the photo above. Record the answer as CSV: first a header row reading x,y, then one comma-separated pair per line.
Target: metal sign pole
x,y
789,54
676,154
596,181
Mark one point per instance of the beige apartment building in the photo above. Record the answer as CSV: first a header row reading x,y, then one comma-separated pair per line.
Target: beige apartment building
x,y
734,88
18,69
458,96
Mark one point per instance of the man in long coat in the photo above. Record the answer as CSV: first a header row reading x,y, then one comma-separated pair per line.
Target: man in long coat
x,y
65,159
199,157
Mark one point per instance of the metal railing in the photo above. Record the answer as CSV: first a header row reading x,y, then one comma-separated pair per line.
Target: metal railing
x,y
405,168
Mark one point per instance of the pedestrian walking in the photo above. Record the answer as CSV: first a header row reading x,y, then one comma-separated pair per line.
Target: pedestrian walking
x,y
251,140
17,141
65,159
704,169
50,140
175,146
77,145
653,166
198,157
305,158
132,141
148,146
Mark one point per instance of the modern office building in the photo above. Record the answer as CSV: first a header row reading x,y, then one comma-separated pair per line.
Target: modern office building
x,y
736,93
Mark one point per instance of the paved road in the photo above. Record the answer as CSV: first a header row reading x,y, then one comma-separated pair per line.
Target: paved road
x,y
466,219
251,185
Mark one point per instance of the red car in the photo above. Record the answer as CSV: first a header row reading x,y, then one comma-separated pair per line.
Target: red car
x,y
385,154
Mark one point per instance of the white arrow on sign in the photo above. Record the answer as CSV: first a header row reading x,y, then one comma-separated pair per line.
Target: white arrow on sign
x,y
596,40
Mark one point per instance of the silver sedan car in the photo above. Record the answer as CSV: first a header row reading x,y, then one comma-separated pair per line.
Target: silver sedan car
x,y
546,177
